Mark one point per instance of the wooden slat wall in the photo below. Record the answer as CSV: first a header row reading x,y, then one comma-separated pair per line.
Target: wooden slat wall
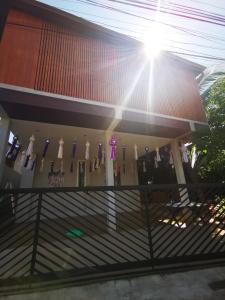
x,y
83,67
19,50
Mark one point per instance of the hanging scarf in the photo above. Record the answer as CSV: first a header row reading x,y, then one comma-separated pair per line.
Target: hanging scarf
x,y
158,158
87,151
74,148
113,143
47,141
184,153
9,154
135,152
60,151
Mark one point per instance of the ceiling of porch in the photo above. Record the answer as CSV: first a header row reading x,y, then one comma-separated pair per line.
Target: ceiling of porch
x,y
41,131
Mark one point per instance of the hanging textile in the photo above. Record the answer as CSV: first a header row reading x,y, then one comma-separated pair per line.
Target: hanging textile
x,y
10,152
46,144
99,159
113,143
22,160
184,152
16,152
60,151
30,150
158,158
171,162
87,150
135,152
74,148
156,162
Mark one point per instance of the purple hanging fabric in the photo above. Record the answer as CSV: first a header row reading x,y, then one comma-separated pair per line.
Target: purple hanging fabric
x,y
13,146
113,143
26,161
14,156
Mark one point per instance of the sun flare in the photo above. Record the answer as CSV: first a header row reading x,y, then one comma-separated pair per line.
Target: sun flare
x,y
154,41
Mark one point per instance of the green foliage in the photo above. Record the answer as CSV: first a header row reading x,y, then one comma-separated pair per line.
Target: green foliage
x,y
210,144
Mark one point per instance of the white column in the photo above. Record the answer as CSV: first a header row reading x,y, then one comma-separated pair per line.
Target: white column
x,y
4,135
111,219
178,165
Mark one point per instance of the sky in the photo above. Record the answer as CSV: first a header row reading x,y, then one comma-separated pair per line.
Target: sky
x,y
194,39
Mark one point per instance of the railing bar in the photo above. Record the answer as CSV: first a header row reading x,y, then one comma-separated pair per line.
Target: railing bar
x,y
128,195
121,195
55,254
102,245
17,199
90,228
24,207
65,245
7,222
24,273
175,245
193,232
131,221
36,234
73,242
84,248
26,264
177,219
196,235
118,188
102,237
15,229
215,237
221,245
109,240
107,213
117,200
163,232
171,234
124,231
168,211
116,204
50,260
44,266
15,241
30,195
11,258
209,234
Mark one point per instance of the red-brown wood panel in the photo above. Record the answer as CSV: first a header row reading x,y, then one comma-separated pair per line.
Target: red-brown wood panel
x,y
21,18
50,58
19,55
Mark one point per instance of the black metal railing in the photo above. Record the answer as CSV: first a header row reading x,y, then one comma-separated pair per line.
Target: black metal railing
x,y
48,235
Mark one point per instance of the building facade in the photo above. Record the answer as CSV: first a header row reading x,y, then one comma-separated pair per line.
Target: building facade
x,y
65,79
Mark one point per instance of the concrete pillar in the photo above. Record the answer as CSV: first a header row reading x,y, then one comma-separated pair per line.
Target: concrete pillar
x,y
111,219
178,165
4,135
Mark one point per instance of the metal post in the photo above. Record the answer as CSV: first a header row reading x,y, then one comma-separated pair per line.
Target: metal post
x,y
36,235
147,201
